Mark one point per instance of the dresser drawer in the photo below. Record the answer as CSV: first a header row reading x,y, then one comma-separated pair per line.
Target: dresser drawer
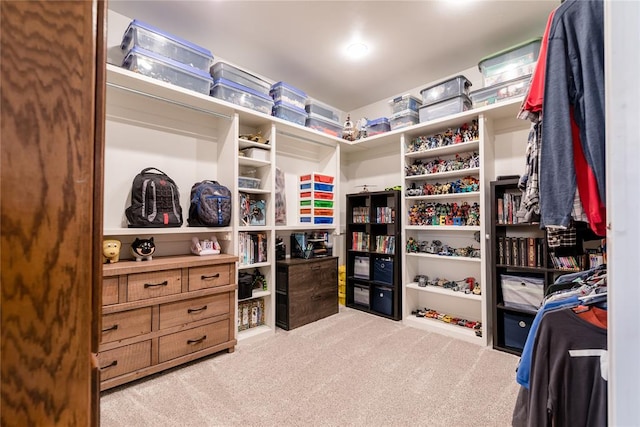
x,y
208,277
110,290
125,324
154,284
179,313
123,360
192,340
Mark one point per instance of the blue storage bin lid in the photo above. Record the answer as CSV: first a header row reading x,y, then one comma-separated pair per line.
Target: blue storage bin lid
x,y
381,120
290,107
289,87
241,87
140,24
138,50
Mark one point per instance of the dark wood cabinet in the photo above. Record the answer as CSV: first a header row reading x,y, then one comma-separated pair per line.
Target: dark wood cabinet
x,y
373,258
306,290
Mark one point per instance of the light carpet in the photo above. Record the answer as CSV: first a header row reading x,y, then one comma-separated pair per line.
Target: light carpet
x,y
350,369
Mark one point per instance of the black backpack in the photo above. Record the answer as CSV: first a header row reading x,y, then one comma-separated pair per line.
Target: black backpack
x,y
155,201
210,205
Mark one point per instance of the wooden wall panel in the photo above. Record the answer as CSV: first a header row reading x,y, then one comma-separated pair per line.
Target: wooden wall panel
x,y
50,146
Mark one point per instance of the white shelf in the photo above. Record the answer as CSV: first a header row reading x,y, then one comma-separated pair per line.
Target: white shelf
x,y
466,195
251,266
440,175
443,227
253,228
253,190
460,332
319,227
444,257
245,143
250,333
443,291
124,231
257,294
248,161
441,151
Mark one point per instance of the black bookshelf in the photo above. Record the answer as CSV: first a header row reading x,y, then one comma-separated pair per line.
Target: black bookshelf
x,y
373,257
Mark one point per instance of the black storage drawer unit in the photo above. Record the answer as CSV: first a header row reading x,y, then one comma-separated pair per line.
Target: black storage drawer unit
x,y
382,300
516,329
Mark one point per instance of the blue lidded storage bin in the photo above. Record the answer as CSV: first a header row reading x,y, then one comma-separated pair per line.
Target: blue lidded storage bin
x,y
222,70
289,113
288,94
241,95
162,68
378,126
155,40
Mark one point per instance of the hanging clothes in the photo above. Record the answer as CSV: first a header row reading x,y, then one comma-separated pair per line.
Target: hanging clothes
x,y
569,372
573,89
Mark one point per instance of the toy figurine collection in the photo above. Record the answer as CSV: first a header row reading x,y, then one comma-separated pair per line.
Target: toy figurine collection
x,y
419,167
467,184
437,248
423,213
433,314
464,133
467,285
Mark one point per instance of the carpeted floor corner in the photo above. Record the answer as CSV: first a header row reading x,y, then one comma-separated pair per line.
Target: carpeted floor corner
x,y
351,369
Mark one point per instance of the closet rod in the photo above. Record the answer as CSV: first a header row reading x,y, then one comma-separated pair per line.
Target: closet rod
x,y
302,138
170,101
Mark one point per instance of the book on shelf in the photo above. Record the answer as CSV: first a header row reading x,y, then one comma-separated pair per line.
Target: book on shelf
x,y
385,244
501,250
360,214
500,210
252,248
531,252
515,251
507,251
385,215
359,241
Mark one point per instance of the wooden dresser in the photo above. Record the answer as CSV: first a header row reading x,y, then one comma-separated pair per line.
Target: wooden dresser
x,y
306,290
162,313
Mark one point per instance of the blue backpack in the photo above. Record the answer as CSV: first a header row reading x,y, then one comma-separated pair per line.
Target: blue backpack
x,y
210,205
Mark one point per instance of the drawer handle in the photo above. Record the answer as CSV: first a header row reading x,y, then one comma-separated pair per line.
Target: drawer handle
x,y
195,310
112,328
153,285
215,276
316,297
110,365
317,267
198,341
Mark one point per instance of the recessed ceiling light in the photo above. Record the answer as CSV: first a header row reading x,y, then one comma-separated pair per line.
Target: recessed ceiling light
x,y
357,50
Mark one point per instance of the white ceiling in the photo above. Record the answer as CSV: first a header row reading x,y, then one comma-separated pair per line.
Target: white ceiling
x,y
301,42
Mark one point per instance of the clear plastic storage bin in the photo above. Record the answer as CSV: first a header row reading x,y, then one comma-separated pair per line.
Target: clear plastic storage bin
x,y
444,108
248,182
511,63
378,126
241,95
321,109
322,124
500,92
287,94
222,70
404,118
289,113
152,39
405,102
162,68
456,86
